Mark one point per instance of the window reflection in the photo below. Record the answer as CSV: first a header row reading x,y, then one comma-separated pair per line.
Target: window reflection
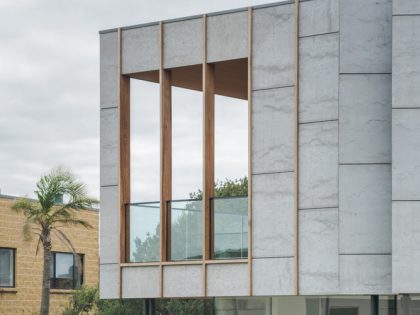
x,y
313,305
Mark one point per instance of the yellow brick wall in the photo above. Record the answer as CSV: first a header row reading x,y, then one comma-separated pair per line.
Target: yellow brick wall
x,y
25,297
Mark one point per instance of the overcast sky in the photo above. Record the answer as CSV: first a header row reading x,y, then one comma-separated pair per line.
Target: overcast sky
x,y
49,88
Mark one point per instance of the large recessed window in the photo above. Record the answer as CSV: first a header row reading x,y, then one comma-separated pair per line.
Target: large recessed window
x,y
229,205
183,143
144,211
66,270
185,209
7,267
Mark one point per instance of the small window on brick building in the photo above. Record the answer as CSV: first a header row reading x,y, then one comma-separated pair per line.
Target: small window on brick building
x,y
7,267
66,271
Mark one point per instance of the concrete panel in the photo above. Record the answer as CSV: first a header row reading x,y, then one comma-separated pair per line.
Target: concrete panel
x,y
365,36
141,282
365,209
405,61
365,118
227,280
365,274
318,17
109,146
318,164
183,281
108,281
273,47
108,70
272,130
141,49
273,215
318,78
183,43
227,36
405,154
109,226
272,276
406,7
405,247
318,233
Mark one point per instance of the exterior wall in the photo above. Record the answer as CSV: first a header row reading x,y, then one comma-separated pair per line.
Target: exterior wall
x,y
405,146
364,147
25,297
273,62
109,163
359,156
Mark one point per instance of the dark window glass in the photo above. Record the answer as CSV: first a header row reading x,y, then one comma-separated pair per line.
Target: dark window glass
x,y
7,266
66,271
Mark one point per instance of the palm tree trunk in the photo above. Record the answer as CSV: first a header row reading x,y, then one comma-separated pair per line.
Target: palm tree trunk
x,y
46,275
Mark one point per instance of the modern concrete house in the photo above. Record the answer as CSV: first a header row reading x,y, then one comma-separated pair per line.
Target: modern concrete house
x,y
332,215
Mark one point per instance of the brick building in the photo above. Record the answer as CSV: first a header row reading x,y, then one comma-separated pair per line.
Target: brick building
x,y
21,269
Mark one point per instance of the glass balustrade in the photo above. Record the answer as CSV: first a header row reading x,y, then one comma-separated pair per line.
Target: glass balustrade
x,y
230,227
186,230
144,231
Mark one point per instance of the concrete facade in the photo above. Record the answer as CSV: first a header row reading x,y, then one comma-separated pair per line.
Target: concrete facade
x,y
359,147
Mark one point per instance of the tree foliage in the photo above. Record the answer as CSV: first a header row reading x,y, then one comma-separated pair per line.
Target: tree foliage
x,y
86,301
226,188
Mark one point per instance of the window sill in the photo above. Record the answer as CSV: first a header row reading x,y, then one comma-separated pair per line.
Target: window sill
x,y
8,290
62,291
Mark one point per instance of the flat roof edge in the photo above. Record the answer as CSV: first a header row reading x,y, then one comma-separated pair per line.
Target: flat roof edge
x,y
9,197
197,16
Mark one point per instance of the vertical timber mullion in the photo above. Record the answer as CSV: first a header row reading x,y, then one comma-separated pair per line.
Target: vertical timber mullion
x,y
124,154
250,150
208,152
296,149
165,156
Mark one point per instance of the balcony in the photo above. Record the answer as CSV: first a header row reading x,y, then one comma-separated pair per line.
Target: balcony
x,y
185,229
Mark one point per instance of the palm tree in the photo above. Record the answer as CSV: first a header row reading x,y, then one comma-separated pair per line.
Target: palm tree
x,y
45,217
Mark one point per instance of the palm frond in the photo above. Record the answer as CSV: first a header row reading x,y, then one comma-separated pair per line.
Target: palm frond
x,y
75,221
27,231
64,239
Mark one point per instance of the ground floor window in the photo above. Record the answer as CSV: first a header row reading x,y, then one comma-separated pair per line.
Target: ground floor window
x,y
7,267
309,305
66,270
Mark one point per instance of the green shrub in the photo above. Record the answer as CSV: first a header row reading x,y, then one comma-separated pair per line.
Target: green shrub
x,y
86,301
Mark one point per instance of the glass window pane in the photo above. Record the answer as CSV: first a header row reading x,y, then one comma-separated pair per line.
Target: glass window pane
x,y
6,267
387,305
231,138
349,305
186,230
230,227
408,304
242,306
187,142
64,268
145,232
145,140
